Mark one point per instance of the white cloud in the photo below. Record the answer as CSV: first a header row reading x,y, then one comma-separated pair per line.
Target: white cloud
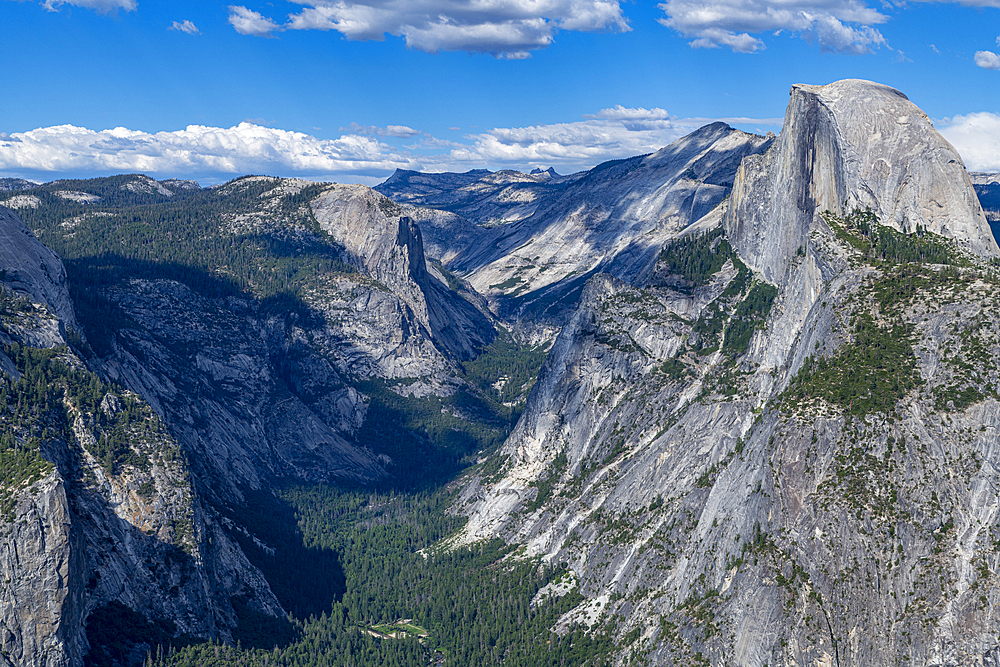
x,y
185,26
618,112
969,3
399,131
196,150
987,60
103,6
835,25
365,152
713,38
504,28
976,137
576,145
249,22
610,134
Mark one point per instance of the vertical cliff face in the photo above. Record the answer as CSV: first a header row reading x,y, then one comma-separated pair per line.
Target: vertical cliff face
x,y
197,396
40,607
28,267
97,502
781,448
845,146
209,367
388,246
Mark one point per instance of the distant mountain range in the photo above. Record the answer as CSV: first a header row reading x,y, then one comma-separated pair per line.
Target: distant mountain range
x,y
735,402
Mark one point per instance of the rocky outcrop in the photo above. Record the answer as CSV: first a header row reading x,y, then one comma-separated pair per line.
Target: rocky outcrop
x,y
222,397
713,463
445,234
852,145
221,378
97,502
388,246
778,446
483,197
28,267
613,219
41,597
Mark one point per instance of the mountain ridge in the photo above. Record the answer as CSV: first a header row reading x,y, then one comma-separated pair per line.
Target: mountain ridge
x,y
641,405
765,431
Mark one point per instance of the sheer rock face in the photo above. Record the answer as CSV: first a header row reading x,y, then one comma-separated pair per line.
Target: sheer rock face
x,y
612,219
84,534
247,394
700,504
39,608
28,267
848,145
222,379
388,246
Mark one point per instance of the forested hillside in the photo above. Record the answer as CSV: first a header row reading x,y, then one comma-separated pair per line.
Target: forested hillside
x,y
734,402
186,283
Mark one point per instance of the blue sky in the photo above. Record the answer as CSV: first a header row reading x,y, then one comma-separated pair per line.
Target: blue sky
x,y
351,90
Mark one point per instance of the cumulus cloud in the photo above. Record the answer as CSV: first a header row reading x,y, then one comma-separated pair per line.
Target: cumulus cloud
x,y
103,6
567,146
364,152
504,28
987,60
185,26
196,150
618,112
835,25
249,22
976,137
612,133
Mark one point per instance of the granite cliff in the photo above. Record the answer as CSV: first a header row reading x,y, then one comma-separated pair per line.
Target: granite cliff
x,y
178,400
97,500
783,452
765,432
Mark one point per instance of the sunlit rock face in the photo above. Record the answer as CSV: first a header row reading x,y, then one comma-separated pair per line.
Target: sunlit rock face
x,y
613,218
852,145
388,246
780,448
822,492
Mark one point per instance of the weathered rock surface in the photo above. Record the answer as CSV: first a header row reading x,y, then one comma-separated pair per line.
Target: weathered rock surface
x,y
734,510
673,454
234,394
220,378
852,145
89,532
388,246
483,197
28,267
613,218
39,611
